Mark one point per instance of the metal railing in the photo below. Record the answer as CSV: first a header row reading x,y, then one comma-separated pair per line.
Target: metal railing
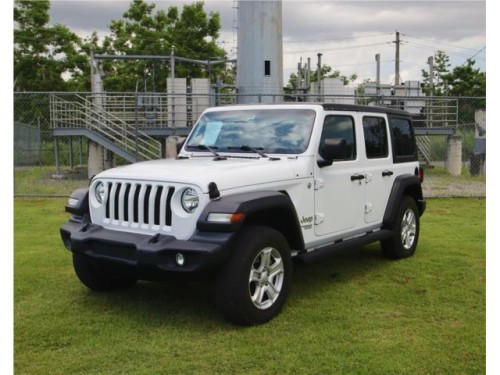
x,y
83,113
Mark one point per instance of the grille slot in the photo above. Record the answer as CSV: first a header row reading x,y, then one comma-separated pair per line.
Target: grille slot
x,y
139,203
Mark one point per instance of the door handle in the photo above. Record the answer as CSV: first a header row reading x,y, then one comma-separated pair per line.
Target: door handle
x,y
357,177
387,173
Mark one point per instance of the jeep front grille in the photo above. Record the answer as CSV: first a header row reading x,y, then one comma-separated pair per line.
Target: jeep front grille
x,y
139,203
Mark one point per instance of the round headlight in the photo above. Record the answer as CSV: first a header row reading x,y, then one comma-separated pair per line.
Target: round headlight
x,y
99,191
189,200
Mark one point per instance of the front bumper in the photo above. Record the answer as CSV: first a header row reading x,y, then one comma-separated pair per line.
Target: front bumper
x,y
204,251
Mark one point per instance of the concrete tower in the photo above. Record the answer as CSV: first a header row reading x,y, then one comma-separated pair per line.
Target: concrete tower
x,y
260,51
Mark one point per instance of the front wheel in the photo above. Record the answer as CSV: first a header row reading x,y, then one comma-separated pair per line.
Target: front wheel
x,y
253,286
406,231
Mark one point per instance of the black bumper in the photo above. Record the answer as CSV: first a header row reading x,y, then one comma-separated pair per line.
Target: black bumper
x,y
203,252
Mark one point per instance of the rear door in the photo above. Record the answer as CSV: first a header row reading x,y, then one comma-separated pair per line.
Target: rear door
x,y
379,174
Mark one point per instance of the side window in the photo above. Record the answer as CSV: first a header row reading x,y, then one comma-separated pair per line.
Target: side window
x,y
339,130
375,131
403,140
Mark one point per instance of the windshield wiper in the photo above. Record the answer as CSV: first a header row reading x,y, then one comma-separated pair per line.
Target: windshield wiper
x,y
250,148
211,149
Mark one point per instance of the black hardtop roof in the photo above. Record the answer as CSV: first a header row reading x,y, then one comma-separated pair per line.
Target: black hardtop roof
x,y
363,108
336,107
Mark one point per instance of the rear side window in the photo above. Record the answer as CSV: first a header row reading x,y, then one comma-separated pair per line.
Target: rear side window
x,y
375,132
403,139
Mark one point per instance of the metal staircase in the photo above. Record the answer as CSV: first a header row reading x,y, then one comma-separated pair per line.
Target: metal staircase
x,y
79,116
424,149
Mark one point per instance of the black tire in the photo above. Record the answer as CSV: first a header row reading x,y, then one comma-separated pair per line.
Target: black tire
x,y
253,285
101,276
406,231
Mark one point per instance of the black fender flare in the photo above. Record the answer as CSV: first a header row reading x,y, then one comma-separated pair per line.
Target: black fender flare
x,y
80,197
271,208
406,184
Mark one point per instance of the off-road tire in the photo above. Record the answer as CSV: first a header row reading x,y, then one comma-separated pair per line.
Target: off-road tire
x,y
253,285
406,231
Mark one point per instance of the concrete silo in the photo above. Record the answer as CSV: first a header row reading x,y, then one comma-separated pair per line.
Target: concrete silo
x,y
260,51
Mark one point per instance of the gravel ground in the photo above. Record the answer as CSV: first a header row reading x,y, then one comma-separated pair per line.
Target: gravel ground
x,y
447,186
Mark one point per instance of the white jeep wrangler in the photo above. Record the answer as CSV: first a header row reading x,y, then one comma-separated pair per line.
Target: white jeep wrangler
x,y
253,186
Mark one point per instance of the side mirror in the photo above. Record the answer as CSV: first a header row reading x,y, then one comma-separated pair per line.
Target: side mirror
x,y
179,145
332,149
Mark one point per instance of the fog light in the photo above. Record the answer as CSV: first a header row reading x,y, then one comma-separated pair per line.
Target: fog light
x,y
179,259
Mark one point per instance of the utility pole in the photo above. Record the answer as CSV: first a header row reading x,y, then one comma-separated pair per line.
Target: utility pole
x,y
430,61
398,42
319,76
377,59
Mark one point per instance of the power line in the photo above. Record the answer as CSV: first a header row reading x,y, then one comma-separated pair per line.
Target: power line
x,y
436,42
478,52
427,48
335,49
366,63
334,39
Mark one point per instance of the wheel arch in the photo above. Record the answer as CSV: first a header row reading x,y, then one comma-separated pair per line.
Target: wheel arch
x,y
266,208
404,185
78,206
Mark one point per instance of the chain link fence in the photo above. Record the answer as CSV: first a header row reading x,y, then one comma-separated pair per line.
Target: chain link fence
x,y
49,163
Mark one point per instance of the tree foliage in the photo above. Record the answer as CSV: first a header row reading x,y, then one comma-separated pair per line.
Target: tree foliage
x,y
44,55
465,80
462,80
142,31
53,58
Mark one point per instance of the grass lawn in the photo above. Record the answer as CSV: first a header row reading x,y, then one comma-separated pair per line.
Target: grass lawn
x,y
356,313
38,181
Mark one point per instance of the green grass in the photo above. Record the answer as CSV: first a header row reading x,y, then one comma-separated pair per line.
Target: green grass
x,y
356,313
38,181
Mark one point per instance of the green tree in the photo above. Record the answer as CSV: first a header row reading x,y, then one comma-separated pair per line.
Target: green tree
x,y
462,80
45,56
441,66
142,31
465,80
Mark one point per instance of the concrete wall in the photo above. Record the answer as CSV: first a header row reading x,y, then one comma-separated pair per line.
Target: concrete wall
x,y
176,89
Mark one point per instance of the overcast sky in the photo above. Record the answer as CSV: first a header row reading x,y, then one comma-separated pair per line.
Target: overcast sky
x,y
348,33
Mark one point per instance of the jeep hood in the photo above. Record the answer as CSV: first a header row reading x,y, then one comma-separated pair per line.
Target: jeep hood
x,y
227,174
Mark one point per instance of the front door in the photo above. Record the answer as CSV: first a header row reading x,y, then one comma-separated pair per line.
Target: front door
x,y
339,188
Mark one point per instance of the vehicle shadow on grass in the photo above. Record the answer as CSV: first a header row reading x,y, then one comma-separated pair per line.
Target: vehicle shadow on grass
x,y
161,304
341,267
192,303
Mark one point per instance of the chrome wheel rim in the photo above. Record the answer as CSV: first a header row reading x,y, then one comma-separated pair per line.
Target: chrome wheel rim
x,y
408,229
266,278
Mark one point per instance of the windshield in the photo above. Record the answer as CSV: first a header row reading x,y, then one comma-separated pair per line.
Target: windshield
x,y
279,131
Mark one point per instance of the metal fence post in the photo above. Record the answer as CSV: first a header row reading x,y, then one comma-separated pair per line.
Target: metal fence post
x,y
56,140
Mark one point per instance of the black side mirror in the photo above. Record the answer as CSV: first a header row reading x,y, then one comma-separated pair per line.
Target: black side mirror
x,y
179,145
332,149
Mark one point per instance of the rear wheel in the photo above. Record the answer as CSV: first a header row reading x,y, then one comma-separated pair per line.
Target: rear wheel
x,y
101,276
253,286
406,231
